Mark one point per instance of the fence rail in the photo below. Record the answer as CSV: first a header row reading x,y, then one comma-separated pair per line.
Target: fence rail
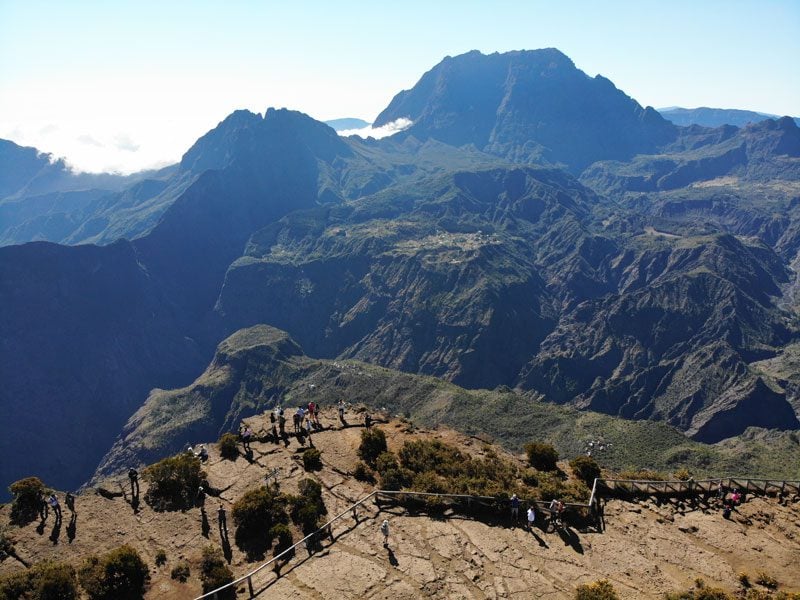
x,y
764,486
680,487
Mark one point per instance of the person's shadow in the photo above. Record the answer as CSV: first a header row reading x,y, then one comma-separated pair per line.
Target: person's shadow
x,y
392,558
226,549
541,541
72,527
205,525
56,533
571,539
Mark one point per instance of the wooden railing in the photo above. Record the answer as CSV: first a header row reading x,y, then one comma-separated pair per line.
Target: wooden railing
x,y
702,486
599,488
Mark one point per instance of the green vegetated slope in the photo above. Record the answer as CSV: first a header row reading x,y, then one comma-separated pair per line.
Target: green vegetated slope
x,y
434,252
259,367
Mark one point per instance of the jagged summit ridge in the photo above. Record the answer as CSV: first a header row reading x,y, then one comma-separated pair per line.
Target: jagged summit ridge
x,y
532,105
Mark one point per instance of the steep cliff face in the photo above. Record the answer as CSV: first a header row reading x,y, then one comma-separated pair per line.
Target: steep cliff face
x,y
437,283
674,344
84,334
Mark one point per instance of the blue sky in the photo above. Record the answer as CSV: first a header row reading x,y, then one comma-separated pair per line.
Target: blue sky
x,y
117,85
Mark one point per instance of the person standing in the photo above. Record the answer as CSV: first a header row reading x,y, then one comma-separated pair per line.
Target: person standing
x,y
531,517
385,532
53,501
133,475
514,509
69,500
222,520
341,410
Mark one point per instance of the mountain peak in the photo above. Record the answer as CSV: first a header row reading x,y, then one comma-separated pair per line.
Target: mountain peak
x,y
528,106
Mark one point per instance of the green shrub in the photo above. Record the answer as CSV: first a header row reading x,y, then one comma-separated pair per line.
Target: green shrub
x,y
214,573
585,468
682,474
47,580
363,473
14,586
420,456
744,579
174,482
529,478
181,571
308,507
28,496
161,558
599,590
429,482
6,545
766,580
312,460
373,443
394,479
119,575
283,535
255,514
385,462
541,456
228,446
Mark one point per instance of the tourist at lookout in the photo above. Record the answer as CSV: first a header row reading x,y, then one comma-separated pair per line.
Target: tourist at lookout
x,y
531,516
385,532
53,502
514,508
133,475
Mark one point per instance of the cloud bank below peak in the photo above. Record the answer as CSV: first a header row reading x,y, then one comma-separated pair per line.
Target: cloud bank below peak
x,y
383,131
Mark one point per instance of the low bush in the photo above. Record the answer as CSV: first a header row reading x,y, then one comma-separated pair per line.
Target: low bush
x,y
161,558
119,575
373,443
228,446
682,474
541,456
766,580
181,571
363,473
308,506
283,535
174,482
47,580
599,590
255,514
312,460
214,573
28,497
585,468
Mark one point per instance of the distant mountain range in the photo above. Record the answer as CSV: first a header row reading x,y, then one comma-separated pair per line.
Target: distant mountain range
x,y
715,117
534,228
346,124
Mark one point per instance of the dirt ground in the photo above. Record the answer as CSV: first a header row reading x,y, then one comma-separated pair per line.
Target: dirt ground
x,y
644,549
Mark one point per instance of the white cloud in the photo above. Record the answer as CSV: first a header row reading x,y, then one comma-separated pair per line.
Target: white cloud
x,y
379,132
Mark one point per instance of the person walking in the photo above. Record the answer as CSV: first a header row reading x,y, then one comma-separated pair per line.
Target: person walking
x,y
385,532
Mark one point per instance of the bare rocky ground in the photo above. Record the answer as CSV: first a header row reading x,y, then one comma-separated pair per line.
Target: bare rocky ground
x,y
645,549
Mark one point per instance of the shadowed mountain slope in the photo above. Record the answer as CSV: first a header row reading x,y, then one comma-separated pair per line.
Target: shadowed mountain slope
x,y
528,106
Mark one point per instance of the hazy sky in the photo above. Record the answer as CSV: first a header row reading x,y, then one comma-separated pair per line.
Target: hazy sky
x,y
127,85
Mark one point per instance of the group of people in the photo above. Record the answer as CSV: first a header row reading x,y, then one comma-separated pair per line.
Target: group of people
x,y
47,503
556,512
